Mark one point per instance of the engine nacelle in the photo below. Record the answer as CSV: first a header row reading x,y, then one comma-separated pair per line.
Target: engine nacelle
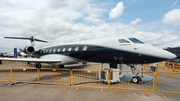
x,y
29,50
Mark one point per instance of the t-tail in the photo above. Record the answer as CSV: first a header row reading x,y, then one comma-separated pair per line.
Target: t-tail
x,y
30,48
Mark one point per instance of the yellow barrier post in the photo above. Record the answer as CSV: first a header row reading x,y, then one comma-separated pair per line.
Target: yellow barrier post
x,y
146,94
43,85
71,77
65,87
10,74
33,85
102,90
163,95
109,78
77,88
171,70
116,91
173,66
38,75
144,67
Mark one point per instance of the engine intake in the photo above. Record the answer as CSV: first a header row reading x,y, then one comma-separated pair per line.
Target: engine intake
x,y
29,50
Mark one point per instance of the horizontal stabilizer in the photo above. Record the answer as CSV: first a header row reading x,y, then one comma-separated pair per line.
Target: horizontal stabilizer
x,y
31,60
31,39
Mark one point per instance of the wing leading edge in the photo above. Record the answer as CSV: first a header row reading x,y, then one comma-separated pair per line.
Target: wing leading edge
x,y
32,60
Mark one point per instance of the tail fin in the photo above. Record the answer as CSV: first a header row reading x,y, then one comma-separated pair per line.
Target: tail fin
x,y
32,39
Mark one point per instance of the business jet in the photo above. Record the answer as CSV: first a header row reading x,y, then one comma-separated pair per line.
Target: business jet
x,y
109,50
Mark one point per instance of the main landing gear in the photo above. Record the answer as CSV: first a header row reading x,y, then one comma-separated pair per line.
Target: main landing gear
x,y
134,77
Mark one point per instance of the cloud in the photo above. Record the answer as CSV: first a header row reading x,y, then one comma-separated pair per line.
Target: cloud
x,y
68,23
172,17
94,19
132,1
134,22
117,11
174,3
161,39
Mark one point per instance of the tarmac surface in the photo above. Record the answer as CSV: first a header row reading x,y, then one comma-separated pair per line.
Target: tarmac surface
x,y
26,92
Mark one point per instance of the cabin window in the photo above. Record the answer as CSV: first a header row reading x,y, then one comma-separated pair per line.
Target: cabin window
x,y
50,50
123,41
54,50
134,40
59,50
77,48
69,49
84,48
64,49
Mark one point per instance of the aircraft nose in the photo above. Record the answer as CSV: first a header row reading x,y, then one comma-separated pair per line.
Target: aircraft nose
x,y
170,55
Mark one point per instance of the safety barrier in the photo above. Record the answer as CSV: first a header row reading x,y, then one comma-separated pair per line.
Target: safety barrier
x,y
54,76
5,74
166,83
161,65
25,75
129,80
8,61
169,66
88,78
41,76
176,67
147,67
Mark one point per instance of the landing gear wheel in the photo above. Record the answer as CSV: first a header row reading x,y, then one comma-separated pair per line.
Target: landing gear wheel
x,y
136,79
38,65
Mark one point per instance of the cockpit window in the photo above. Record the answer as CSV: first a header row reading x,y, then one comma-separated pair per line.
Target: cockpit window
x,y
123,41
134,40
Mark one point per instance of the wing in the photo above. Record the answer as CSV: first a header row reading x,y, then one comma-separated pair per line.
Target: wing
x,y
31,60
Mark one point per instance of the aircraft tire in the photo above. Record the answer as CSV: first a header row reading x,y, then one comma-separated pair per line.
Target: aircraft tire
x,y
136,79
